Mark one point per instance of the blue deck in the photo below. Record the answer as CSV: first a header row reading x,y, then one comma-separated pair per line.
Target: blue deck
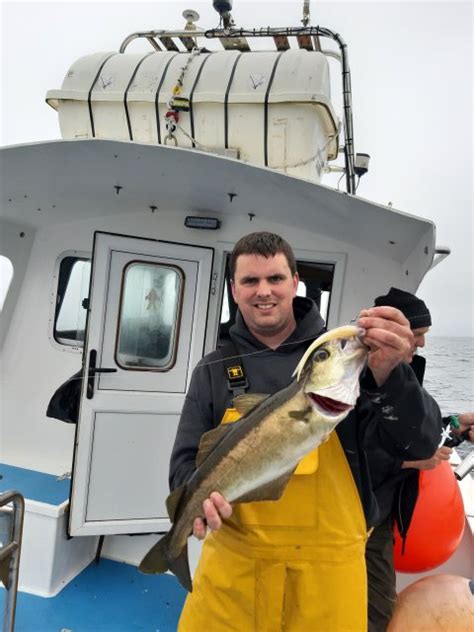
x,y
33,485
108,597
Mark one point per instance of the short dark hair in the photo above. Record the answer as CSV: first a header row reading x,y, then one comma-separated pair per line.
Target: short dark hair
x,y
264,244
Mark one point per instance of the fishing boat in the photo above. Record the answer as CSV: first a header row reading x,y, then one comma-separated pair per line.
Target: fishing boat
x,y
116,240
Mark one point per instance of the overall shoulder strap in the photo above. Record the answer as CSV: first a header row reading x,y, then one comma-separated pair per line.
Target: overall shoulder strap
x,y
234,369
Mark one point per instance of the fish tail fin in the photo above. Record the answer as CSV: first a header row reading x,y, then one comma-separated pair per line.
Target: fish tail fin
x,y
180,567
157,560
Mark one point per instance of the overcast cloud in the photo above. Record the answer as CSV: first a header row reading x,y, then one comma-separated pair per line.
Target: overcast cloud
x,y
412,74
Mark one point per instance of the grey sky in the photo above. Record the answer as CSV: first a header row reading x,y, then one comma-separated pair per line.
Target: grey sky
x,y
412,85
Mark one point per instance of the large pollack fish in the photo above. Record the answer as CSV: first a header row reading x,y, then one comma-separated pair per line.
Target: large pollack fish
x,y
253,459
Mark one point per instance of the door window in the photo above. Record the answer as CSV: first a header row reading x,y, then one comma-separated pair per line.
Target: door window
x,y
149,316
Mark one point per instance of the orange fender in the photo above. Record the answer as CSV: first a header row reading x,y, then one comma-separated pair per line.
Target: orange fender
x,y
437,524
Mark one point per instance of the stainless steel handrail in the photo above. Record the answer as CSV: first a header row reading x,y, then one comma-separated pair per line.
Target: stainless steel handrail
x,y
440,253
465,467
10,554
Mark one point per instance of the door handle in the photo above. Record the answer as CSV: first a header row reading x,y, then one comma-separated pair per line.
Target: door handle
x,y
93,371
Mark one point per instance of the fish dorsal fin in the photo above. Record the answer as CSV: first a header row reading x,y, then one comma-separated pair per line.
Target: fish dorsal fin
x,y
209,440
270,491
173,500
247,402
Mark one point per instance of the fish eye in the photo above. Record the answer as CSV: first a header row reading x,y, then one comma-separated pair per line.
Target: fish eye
x,y
320,355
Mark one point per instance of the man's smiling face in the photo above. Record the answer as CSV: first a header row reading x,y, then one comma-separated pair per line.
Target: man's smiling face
x,y
264,288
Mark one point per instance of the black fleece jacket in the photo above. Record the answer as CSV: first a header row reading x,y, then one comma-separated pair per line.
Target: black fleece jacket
x,y
399,414
396,489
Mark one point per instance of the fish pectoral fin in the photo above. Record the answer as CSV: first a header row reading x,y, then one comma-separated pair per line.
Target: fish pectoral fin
x,y
173,500
301,415
270,491
210,439
247,402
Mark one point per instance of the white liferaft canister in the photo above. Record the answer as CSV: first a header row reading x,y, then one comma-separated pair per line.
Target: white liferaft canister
x,y
266,108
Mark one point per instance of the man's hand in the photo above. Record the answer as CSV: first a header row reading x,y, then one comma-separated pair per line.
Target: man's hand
x,y
389,337
215,508
441,454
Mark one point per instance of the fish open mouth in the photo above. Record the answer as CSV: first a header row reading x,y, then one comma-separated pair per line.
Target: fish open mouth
x,y
329,406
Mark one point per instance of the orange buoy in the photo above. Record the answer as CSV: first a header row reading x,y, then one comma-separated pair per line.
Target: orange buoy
x,y
440,603
437,524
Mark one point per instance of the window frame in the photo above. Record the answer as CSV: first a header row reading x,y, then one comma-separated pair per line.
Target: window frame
x,y
77,346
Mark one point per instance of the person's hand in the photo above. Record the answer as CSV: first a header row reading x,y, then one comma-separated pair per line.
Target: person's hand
x,y
466,421
215,508
441,454
389,338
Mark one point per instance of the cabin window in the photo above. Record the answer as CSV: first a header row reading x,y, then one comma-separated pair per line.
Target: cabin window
x,y
6,276
316,279
72,301
316,282
149,316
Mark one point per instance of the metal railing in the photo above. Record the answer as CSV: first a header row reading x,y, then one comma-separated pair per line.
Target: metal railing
x,y
440,253
11,529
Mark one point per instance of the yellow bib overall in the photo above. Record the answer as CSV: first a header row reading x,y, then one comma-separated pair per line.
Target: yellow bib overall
x,y
293,565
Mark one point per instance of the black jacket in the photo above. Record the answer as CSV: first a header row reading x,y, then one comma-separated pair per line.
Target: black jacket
x,y
399,415
396,489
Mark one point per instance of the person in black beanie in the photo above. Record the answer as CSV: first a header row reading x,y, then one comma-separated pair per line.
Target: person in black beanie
x,y
395,482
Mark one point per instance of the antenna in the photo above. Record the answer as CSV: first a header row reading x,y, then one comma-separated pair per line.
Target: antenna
x,y
306,19
223,8
191,17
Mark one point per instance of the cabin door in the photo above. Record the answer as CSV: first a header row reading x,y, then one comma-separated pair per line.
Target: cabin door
x,y
145,333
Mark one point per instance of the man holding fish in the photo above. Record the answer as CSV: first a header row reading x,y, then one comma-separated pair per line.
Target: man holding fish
x,y
288,502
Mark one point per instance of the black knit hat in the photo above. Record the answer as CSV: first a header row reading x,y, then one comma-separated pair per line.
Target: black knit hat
x,y
413,308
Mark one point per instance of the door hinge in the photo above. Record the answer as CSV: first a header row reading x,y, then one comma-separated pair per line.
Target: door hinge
x,y
214,278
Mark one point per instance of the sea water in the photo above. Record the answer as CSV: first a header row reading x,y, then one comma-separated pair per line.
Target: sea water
x,y
449,376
